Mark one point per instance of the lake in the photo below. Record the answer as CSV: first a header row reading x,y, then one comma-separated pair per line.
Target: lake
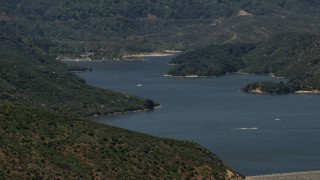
x,y
253,134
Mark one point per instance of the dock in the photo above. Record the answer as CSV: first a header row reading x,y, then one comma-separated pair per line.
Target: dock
x,y
309,175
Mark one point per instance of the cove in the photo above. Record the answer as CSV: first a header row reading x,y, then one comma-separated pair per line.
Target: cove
x,y
252,133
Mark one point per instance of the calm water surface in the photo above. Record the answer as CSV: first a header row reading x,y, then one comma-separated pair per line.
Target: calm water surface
x,y
253,134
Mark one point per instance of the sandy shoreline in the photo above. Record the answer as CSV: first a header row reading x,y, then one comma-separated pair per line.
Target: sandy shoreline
x,y
278,77
128,57
147,55
308,92
75,59
258,91
152,54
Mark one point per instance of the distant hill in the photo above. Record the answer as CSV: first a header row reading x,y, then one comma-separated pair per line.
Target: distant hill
x,y
294,56
113,28
163,9
30,77
214,60
291,55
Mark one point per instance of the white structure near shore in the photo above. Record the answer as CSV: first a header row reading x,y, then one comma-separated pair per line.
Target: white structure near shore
x,y
309,175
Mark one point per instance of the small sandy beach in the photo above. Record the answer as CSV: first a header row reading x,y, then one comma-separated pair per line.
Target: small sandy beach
x,y
308,92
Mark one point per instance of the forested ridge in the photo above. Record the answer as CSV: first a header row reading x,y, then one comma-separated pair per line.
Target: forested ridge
x,y
111,28
288,55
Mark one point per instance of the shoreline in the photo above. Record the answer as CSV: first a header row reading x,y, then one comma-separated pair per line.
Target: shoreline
x,y
125,112
307,92
277,77
75,59
258,91
152,54
143,55
129,57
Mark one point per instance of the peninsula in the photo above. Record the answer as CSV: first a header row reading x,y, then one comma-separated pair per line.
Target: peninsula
x,y
287,55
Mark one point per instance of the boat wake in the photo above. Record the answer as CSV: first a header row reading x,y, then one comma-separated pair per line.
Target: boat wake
x,y
245,128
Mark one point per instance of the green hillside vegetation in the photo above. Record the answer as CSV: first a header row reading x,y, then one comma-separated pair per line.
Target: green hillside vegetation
x,y
113,28
214,60
37,144
294,56
30,77
290,55
165,9
270,88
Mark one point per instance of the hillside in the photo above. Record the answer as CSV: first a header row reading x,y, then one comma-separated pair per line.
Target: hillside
x,y
30,77
36,144
214,60
291,55
114,28
294,56
164,9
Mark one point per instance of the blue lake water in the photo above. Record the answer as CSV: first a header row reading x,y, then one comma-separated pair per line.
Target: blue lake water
x,y
253,134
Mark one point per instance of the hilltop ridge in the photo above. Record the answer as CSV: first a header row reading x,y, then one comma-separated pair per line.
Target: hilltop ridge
x,y
112,29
